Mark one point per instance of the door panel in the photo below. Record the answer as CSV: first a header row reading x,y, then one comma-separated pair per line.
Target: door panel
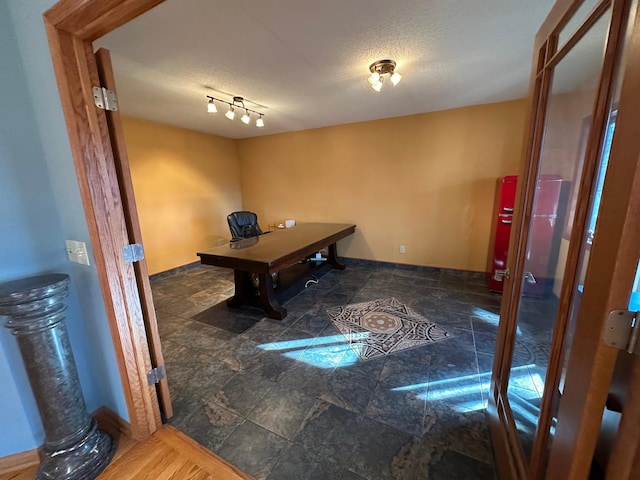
x,y
619,442
121,161
552,375
572,98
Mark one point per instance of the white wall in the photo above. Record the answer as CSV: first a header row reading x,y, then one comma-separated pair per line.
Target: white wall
x,y
40,207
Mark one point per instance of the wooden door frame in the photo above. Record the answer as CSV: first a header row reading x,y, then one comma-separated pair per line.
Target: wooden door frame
x,y
72,26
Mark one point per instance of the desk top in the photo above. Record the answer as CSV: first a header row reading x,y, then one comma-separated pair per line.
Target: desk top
x,y
278,249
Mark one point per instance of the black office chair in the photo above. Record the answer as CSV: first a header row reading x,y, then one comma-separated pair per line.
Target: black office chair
x,y
244,224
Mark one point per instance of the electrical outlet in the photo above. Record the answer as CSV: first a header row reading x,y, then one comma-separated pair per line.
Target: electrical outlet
x,y
402,249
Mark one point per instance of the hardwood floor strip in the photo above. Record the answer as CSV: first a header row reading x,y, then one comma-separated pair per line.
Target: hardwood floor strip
x,y
28,473
189,471
166,468
18,461
167,455
137,460
188,448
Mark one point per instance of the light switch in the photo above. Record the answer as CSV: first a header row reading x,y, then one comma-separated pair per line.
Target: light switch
x,y
77,252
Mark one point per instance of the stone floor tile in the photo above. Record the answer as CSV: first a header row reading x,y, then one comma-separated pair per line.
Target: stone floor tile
x,y
297,463
253,449
296,395
210,424
283,411
243,392
399,407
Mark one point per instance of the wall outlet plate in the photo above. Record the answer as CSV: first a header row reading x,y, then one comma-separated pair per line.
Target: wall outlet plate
x,y
77,252
402,249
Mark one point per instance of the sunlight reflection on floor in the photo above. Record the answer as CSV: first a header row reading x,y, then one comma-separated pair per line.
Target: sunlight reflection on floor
x,y
454,390
322,352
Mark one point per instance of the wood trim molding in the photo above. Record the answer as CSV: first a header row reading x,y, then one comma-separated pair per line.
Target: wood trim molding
x,y
19,461
91,19
505,463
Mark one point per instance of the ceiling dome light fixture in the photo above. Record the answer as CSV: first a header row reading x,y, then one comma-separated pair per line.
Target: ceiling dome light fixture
x,y
378,71
231,114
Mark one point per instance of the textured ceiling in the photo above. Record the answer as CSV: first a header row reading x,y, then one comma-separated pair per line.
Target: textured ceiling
x,y
306,62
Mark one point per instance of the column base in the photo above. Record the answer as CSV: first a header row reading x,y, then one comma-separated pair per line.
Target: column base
x,y
83,460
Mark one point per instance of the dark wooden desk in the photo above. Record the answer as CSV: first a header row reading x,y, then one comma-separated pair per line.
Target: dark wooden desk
x,y
271,253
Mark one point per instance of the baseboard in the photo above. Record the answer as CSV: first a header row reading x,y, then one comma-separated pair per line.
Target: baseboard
x,y
19,461
173,271
405,266
346,260
112,423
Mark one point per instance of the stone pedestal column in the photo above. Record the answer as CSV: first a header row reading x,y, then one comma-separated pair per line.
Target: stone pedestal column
x,y
74,448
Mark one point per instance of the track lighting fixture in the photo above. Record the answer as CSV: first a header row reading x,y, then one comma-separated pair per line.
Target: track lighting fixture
x,y
211,107
378,71
231,114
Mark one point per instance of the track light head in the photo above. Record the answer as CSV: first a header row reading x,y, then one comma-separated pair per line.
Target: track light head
x,y
231,114
246,118
211,107
260,122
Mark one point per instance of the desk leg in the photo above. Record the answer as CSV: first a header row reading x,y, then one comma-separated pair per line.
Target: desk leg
x,y
333,258
268,300
241,289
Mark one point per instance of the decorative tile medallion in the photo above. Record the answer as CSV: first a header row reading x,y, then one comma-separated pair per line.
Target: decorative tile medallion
x,y
381,327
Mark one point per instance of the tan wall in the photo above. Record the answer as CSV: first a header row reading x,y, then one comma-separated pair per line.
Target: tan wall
x,y
424,181
185,184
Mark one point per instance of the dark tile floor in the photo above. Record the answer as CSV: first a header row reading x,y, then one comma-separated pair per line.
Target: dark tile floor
x,y
289,400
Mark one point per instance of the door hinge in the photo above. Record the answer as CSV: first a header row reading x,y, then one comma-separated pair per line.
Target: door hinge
x,y
105,99
622,331
155,375
133,253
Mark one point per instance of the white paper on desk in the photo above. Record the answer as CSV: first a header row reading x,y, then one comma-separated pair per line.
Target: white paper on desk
x,y
289,223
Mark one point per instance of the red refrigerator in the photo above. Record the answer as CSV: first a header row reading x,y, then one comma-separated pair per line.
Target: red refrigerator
x,y
501,230
543,239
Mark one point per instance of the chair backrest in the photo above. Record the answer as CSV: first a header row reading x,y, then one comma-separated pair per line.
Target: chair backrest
x,y
243,224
